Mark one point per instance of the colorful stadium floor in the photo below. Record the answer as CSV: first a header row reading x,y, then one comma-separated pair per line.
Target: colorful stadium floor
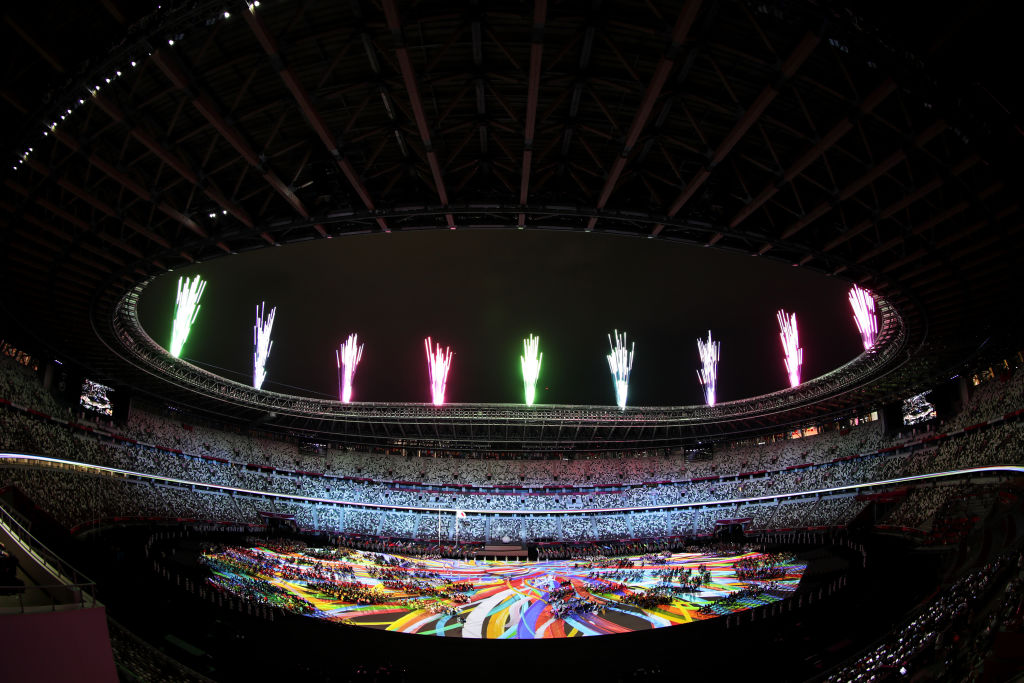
x,y
498,600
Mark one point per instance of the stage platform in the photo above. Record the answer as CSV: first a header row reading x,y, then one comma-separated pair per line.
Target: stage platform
x,y
500,600
502,551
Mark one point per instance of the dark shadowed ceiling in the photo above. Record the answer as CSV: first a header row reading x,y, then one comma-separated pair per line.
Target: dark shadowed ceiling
x,y
879,148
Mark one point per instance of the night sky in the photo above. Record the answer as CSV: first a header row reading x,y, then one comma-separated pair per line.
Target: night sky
x,y
482,292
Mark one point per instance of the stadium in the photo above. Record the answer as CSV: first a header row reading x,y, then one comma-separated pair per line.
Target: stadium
x,y
549,203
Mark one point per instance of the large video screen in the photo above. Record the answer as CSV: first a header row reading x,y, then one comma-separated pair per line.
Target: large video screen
x,y
918,409
96,398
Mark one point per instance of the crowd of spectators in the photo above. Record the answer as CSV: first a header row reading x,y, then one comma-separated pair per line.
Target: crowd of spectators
x,y
167,446
136,660
1002,394
922,503
942,630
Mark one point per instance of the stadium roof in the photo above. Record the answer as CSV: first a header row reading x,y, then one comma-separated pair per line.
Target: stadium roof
x,y
794,131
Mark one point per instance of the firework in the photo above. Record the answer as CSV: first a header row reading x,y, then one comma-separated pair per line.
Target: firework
x,y
864,315
620,362
710,352
261,344
348,354
530,361
186,308
794,355
439,362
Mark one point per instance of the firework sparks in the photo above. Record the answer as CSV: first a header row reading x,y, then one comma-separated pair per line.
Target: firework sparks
x,y
348,354
794,355
530,361
186,308
864,315
710,352
439,362
261,344
620,362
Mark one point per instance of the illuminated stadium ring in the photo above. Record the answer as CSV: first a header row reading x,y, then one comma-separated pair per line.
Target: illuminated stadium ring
x,y
30,460
504,426
754,185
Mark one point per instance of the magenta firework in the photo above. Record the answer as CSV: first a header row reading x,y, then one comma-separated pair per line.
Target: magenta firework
x,y
863,305
439,363
708,374
261,344
348,354
793,354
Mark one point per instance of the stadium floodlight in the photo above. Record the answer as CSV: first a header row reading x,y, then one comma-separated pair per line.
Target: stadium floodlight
x,y
439,362
186,308
794,355
620,362
261,344
530,360
863,305
709,351
348,354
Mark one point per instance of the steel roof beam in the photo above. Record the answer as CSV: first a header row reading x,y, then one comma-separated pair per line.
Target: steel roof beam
x,y
172,160
956,237
903,203
887,87
661,72
91,200
205,105
412,89
60,234
860,183
47,55
753,113
74,220
476,31
121,178
938,218
312,114
945,215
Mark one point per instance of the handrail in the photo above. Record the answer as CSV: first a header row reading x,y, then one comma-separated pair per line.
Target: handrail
x,y
61,569
85,592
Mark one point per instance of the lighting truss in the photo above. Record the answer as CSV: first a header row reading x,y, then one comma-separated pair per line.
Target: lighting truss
x,y
794,355
348,354
620,362
261,344
530,361
439,362
710,352
864,315
186,308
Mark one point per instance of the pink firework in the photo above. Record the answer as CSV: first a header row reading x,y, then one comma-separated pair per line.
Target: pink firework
x,y
863,305
709,351
794,355
348,354
439,362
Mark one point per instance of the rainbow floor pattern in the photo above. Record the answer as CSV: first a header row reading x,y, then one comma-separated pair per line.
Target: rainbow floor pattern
x,y
499,600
